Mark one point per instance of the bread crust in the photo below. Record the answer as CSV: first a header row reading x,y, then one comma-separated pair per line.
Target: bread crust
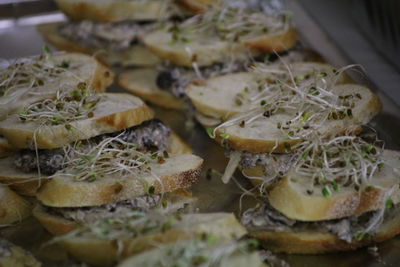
x,y
104,252
113,113
109,11
197,6
228,86
142,82
13,208
136,55
307,242
82,68
274,43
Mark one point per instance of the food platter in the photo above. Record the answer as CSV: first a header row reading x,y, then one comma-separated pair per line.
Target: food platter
x,y
212,193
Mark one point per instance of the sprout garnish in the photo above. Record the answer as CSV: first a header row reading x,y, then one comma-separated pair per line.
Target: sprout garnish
x,y
227,24
21,76
66,107
307,103
112,156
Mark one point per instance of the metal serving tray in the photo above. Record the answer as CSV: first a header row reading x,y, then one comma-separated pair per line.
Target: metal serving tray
x,y
19,38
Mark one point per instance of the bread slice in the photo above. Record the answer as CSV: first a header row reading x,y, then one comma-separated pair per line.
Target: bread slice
x,y
136,55
117,10
101,251
29,183
142,82
315,242
185,44
13,208
160,43
263,135
178,171
114,112
15,256
219,254
81,68
5,147
58,225
216,97
289,195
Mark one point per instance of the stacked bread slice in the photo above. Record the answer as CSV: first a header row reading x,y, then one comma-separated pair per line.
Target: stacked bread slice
x,y
110,29
291,130
219,41
29,80
89,156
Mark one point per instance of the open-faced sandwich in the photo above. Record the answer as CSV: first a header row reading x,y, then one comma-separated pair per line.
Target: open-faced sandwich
x,y
49,131
28,80
272,108
200,252
328,195
219,33
108,241
326,190
165,84
111,29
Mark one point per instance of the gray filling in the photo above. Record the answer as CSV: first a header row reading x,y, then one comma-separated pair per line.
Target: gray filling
x,y
118,209
175,79
150,135
266,218
113,36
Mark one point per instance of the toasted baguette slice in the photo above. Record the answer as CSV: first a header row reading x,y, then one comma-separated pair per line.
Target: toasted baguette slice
x,y
56,224
92,250
216,97
12,255
28,183
315,242
136,55
289,195
161,44
81,68
13,208
264,136
223,254
114,112
142,82
117,10
178,171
